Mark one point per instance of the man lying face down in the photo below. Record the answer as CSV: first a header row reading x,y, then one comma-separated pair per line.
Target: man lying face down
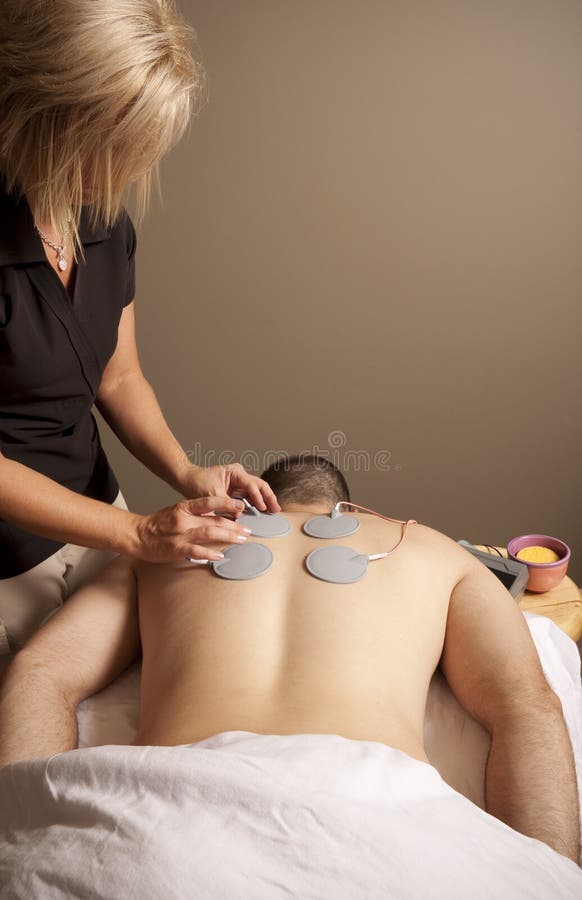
x,y
286,653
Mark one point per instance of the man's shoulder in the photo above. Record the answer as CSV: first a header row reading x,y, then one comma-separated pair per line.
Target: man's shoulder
x,y
430,538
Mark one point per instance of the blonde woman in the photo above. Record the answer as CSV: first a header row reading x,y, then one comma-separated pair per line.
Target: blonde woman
x,y
93,93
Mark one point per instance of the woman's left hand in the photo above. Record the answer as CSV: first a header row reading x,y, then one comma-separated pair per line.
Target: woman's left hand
x,y
228,481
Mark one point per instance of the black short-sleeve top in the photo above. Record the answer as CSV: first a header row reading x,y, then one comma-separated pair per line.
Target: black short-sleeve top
x,y
53,350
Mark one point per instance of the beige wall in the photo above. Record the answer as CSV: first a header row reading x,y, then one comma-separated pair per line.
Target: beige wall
x,y
375,227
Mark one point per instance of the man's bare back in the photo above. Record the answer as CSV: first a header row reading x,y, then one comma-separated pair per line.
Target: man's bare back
x,y
287,653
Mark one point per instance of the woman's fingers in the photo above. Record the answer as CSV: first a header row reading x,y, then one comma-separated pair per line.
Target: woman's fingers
x,y
258,491
208,524
229,533
208,541
204,505
196,551
269,496
192,528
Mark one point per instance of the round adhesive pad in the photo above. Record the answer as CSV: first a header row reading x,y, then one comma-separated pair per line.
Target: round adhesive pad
x,y
340,565
241,563
267,525
327,527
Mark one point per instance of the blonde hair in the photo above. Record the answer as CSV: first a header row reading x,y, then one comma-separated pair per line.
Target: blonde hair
x,y
93,93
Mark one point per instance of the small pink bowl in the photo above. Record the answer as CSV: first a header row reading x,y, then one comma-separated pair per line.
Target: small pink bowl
x,y
542,576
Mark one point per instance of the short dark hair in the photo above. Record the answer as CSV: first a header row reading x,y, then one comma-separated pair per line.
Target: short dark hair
x,y
306,479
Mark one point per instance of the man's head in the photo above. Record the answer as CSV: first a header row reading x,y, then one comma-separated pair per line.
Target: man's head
x,y
306,481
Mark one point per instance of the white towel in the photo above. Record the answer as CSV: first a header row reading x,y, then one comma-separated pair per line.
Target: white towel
x,y
259,817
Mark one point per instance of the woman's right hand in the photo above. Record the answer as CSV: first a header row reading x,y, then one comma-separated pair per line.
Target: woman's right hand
x,y
190,528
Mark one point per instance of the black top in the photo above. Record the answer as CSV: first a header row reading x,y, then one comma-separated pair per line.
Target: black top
x,y
52,354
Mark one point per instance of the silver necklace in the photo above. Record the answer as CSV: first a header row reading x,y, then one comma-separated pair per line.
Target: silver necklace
x,y
60,248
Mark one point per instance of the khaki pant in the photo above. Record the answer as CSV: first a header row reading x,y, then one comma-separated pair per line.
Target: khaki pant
x,y
29,599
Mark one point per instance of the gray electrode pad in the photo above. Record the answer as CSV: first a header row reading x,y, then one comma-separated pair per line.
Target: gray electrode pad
x,y
267,525
335,525
241,563
340,565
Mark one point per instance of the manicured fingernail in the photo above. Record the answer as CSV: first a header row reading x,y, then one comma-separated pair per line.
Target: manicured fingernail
x,y
248,530
241,537
218,556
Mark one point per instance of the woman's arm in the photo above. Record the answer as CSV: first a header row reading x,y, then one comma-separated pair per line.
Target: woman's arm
x,y
44,507
129,406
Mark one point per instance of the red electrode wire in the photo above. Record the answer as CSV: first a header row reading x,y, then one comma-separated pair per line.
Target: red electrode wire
x,y
403,522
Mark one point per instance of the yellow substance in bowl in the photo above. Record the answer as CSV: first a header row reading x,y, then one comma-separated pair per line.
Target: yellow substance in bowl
x,y
538,555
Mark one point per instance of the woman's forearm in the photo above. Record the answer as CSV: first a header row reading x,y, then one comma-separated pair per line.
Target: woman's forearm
x,y
40,505
132,411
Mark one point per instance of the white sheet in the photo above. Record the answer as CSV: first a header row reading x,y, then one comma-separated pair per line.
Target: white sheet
x,y
260,817
455,743
252,816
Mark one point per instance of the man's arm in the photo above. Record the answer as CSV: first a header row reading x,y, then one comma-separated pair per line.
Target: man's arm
x,y
492,666
78,652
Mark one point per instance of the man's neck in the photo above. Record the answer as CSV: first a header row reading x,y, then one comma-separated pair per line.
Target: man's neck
x,y
321,508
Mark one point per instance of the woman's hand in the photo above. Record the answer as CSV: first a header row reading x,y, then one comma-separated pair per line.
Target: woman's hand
x,y
191,528
224,481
